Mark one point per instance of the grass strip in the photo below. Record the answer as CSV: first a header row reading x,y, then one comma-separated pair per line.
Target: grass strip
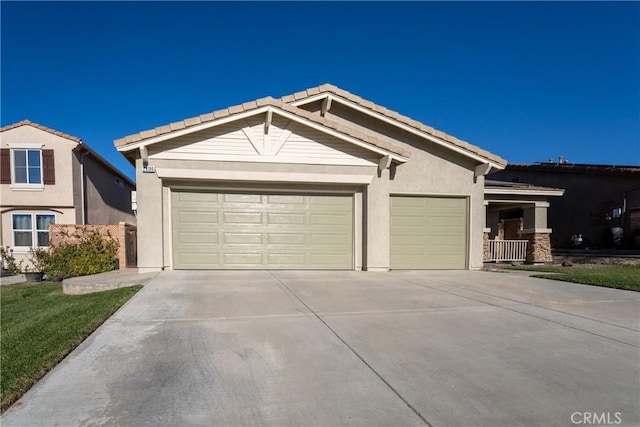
x,y
40,325
619,277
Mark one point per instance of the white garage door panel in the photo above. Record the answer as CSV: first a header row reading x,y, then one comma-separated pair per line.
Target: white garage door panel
x,y
261,231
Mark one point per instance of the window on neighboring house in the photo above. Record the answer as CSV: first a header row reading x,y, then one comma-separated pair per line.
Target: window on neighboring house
x,y
31,230
27,167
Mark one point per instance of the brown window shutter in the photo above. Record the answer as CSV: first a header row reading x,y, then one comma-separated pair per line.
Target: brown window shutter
x,y
48,167
5,166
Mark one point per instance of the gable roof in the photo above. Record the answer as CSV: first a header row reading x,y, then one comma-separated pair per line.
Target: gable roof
x,y
44,128
318,92
192,123
79,141
290,104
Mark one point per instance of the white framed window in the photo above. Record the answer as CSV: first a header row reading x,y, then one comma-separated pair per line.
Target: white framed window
x,y
27,166
31,229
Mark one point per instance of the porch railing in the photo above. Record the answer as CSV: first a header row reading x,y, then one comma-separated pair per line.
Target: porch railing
x,y
507,250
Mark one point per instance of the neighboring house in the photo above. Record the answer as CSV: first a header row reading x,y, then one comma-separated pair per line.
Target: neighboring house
x,y
321,179
48,177
601,203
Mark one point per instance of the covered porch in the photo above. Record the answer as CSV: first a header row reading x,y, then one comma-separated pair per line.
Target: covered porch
x,y
516,222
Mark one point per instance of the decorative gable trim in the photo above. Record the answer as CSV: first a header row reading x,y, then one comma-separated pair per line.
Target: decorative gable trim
x,y
393,152
245,141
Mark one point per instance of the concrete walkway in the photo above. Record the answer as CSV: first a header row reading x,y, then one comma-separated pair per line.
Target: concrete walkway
x,y
350,349
13,279
93,283
105,281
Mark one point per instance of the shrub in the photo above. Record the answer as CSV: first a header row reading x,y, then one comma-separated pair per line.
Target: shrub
x,y
8,260
38,260
89,253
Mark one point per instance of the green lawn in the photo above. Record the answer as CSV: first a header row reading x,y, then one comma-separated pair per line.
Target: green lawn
x,y
619,277
40,325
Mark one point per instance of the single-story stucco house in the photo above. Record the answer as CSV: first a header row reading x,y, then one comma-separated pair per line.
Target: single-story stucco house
x,y
321,179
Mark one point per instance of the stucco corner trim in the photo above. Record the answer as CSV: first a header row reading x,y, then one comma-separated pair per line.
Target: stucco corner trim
x,y
244,176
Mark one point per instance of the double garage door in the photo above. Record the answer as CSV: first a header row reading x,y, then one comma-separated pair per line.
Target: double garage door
x,y
310,231
261,231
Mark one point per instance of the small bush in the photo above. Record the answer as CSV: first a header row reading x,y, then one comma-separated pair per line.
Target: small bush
x,y
8,260
91,253
38,259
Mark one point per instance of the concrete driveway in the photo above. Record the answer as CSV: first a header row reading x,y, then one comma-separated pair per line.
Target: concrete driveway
x,y
351,348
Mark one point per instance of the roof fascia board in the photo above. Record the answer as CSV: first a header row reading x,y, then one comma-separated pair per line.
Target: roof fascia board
x,y
311,99
516,202
527,192
243,115
401,125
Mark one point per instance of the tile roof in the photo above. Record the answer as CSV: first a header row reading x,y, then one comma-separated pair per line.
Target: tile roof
x,y
491,184
284,104
44,128
262,102
576,168
393,115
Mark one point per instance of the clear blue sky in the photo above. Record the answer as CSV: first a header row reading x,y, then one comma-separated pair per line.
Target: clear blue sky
x,y
527,81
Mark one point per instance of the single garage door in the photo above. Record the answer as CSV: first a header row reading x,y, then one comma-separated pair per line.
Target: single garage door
x,y
429,232
261,231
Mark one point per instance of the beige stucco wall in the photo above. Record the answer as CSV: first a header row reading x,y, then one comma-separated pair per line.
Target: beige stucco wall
x,y
60,194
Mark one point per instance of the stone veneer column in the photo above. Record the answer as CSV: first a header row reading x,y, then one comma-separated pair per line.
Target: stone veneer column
x,y
486,253
538,247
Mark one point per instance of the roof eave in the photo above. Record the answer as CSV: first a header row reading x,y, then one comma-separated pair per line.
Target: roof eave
x,y
496,163
554,192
